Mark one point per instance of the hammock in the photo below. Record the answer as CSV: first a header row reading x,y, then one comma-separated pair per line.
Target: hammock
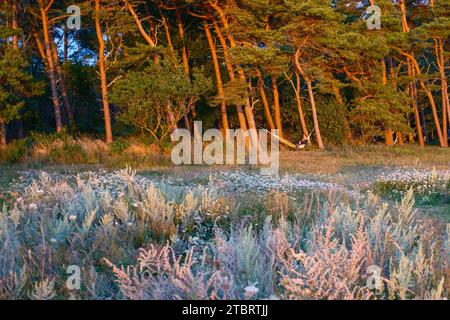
x,y
300,145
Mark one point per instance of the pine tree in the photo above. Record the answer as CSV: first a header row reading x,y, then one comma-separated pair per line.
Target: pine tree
x,y
16,85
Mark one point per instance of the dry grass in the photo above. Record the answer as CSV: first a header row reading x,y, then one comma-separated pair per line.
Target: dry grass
x,y
347,159
192,242
196,242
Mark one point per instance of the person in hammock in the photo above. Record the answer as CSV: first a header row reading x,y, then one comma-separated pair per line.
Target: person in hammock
x,y
306,140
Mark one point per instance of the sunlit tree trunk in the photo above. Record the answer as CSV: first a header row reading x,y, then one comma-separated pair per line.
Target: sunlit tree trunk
x,y
15,24
411,74
186,121
439,50
187,69
248,110
314,113
298,98
168,36
400,138
229,66
265,102
102,70
297,88
389,133
415,65
276,105
413,92
435,114
389,137
184,55
142,31
312,101
51,67
439,46
219,83
152,30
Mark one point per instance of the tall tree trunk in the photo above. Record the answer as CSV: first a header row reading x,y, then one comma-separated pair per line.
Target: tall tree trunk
x,y
187,123
102,69
248,107
184,55
389,137
412,74
66,45
152,31
142,31
439,49
400,138
312,100
229,66
298,98
441,64
249,115
265,102
2,134
389,134
219,83
415,65
413,91
51,67
40,48
168,36
63,88
442,142
15,24
41,51
15,42
187,69
297,87
314,114
276,105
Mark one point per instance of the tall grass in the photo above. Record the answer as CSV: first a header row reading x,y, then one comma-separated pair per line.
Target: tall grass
x,y
139,239
64,149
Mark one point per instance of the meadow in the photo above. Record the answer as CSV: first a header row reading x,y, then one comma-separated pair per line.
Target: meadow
x,y
357,228
93,207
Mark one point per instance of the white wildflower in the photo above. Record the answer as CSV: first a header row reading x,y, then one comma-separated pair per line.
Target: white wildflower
x,y
250,291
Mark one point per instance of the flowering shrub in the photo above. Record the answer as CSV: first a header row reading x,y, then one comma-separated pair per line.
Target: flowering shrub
x,y
192,241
